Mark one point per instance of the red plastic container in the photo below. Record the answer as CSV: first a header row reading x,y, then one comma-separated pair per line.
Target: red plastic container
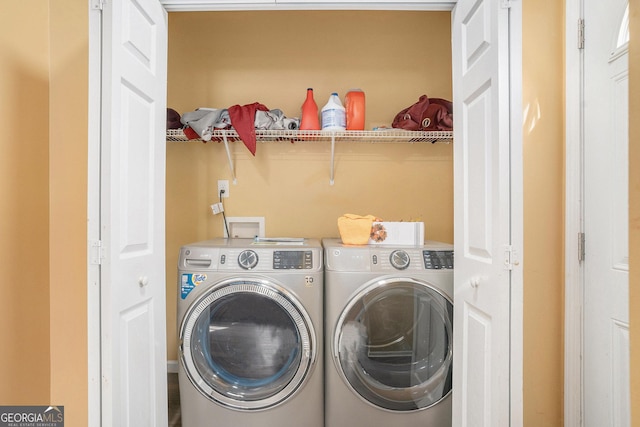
x,y
354,105
310,120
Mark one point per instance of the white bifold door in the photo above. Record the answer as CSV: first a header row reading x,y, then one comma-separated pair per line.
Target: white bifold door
x,y
484,255
134,47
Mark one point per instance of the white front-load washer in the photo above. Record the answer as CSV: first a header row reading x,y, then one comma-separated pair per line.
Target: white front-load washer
x,y
250,333
388,335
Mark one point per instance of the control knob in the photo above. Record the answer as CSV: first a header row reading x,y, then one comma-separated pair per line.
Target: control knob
x,y
248,259
399,259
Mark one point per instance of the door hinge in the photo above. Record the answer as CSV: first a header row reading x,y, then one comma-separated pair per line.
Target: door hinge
x,y
506,4
580,33
97,4
511,258
96,252
581,250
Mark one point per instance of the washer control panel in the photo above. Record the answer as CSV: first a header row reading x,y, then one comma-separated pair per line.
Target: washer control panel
x,y
248,255
282,260
437,260
292,260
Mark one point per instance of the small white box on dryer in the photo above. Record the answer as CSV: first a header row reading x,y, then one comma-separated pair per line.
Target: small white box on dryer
x,y
397,233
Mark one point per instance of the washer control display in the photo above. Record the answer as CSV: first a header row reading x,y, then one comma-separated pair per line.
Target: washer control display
x,y
292,260
437,260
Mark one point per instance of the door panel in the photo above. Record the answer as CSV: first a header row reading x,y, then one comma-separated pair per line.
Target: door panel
x,y
134,387
481,391
606,219
477,213
619,92
478,338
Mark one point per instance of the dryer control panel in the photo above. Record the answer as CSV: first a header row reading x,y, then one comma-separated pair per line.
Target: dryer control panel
x,y
432,256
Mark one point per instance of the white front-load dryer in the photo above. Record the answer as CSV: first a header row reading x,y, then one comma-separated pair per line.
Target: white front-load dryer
x,y
388,335
250,333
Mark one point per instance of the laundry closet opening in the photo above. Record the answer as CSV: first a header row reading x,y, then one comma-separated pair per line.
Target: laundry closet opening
x,y
220,59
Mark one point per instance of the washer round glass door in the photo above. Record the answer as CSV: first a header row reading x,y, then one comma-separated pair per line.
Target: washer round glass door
x,y
247,344
393,345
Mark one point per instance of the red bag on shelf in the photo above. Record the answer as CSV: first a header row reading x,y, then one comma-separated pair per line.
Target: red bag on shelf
x,y
426,115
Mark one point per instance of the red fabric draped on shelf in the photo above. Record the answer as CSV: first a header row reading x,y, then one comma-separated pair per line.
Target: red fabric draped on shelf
x,y
242,119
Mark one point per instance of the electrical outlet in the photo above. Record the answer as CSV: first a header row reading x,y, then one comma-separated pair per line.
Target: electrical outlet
x,y
223,184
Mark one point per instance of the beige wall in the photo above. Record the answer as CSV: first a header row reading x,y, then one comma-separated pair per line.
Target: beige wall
x,y
634,207
288,184
43,156
543,173
43,198
218,59
24,203
68,207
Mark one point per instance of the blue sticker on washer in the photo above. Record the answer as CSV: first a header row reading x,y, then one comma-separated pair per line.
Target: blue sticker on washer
x,y
189,281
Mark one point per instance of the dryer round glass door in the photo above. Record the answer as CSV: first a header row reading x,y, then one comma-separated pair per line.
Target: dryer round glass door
x,y
247,344
393,344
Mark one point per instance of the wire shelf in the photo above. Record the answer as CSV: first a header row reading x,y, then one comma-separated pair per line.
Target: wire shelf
x,y
376,136
382,136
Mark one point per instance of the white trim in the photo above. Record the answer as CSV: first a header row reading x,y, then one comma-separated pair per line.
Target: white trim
x,y
516,406
94,334
573,296
230,5
618,52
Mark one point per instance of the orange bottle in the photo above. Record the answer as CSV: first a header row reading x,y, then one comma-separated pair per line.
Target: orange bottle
x,y
310,119
354,105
